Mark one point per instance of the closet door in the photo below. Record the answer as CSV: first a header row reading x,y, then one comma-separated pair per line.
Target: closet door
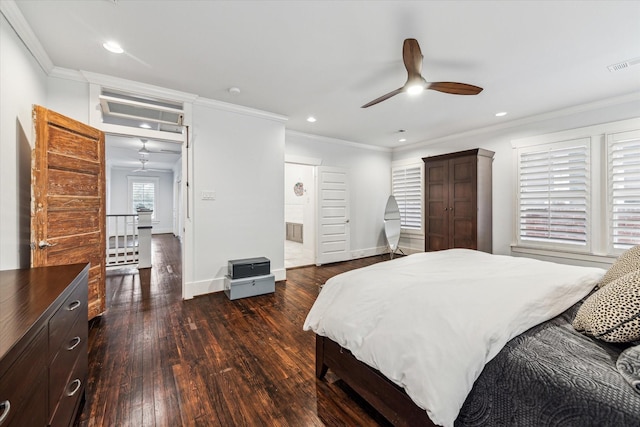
x,y
458,201
437,193
462,210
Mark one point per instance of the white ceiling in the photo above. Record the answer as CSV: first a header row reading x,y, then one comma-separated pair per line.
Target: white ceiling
x,y
327,58
124,152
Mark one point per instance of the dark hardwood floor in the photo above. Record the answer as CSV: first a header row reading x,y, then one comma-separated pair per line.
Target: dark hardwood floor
x,y
156,360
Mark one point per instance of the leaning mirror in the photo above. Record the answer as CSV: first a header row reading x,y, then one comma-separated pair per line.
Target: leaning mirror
x,y
392,225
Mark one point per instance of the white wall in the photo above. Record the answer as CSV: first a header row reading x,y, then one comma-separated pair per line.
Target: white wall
x,y
119,197
498,139
369,181
69,97
22,84
240,157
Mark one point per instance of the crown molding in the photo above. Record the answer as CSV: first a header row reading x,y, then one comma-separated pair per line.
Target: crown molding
x,y
330,140
233,108
576,109
12,13
577,133
67,74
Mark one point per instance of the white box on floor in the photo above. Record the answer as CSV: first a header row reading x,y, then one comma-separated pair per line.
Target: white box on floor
x,y
249,286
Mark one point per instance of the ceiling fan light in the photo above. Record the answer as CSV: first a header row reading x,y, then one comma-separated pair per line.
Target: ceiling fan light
x,y
415,89
143,151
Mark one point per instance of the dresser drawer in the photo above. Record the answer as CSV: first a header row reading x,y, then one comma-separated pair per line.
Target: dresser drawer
x,y
74,307
17,384
33,412
71,394
73,347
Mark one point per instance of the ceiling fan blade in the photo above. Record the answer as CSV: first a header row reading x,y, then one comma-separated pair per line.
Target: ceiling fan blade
x,y
412,57
455,88
383,97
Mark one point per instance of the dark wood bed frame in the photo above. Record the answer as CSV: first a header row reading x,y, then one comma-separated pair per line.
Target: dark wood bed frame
x,y
387,398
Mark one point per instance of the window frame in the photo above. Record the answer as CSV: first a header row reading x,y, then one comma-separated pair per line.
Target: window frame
x,y
548,147
601,249
131,180
404,166
612,139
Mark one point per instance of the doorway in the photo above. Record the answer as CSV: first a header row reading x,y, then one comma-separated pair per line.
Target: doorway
x,y
149,170
299,215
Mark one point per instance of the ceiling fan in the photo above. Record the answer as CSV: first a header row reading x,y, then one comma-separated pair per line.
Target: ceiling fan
x,y
144,167
412,57
144,151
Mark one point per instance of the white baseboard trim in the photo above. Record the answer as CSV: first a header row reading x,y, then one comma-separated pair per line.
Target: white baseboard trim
x,y
203,287
409,251
161,230
364,253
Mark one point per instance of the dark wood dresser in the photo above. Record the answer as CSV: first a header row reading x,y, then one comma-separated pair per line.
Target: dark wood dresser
x,y
43,344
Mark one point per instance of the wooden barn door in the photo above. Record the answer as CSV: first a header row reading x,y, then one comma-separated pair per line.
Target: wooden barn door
x,y
68,189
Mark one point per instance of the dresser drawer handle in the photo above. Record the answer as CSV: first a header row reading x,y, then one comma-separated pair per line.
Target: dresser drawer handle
x,y
5,407
75,304
77,383
75,341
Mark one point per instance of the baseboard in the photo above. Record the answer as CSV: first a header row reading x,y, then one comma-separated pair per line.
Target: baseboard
x,y
155,230
203,287
409,251
364,253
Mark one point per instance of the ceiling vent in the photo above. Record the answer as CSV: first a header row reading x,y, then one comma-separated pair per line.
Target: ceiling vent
x,y
622,65
134,111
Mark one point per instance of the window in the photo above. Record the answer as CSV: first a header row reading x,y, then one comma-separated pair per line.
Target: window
x,y
578,192
624,189
143,193
407,189
554,194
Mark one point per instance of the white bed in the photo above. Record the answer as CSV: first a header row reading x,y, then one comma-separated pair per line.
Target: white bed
x,y
430,322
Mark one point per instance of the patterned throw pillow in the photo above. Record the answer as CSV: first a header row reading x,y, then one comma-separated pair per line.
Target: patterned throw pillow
x,y
626,263
628,364
612,313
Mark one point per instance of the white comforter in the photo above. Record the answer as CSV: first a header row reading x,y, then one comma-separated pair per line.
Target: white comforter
x,y
431,321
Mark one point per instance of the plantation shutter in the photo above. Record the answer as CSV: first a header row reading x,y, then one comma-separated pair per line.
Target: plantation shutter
x,y
407,189
143,195
624,189
554,193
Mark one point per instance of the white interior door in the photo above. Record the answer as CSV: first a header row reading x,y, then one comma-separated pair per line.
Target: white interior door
x,y
333,215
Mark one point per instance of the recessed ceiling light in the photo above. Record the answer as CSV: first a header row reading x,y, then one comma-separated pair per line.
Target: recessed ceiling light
x,y
234,90
501,114
311,119
402,140
145,125
112,47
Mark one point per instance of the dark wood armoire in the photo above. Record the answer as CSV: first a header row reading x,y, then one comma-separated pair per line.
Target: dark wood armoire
x,y
458,200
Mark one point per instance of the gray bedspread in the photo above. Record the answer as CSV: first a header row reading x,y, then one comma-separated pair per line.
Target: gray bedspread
x,y
552,375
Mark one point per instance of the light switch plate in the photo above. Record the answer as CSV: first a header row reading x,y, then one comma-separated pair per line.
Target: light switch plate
x,y
208,195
